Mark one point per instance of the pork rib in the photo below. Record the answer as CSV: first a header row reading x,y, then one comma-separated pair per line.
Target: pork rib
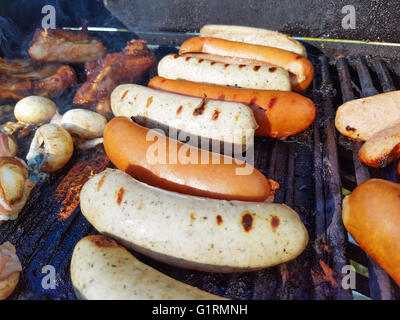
x,y
128,66
23,77
55,45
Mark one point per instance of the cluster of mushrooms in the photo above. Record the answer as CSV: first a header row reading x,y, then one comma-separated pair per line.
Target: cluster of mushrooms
x,y
52,147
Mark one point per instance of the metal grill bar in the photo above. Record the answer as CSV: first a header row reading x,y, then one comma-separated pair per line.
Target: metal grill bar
x,y
320,218
335,233
387,84
383,74
361,171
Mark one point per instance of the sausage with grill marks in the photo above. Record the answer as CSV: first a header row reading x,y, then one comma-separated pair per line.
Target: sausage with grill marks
x,y
235,75
299,66
359,119
231,123
382,148
278,114
101,269
192,232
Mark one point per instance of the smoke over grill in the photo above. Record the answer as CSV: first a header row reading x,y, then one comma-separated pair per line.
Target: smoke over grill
x,y
10,40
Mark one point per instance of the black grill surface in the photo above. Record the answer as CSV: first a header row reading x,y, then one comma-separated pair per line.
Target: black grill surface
x,y
307,167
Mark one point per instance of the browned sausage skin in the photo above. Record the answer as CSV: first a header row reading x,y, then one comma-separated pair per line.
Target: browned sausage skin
x,y
299,66
127,145
279,114
371,214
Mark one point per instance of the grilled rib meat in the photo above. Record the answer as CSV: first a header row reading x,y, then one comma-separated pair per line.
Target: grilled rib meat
x,y
128,66
23,77
54,45
16,66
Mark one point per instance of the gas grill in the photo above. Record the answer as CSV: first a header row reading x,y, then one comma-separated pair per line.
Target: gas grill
x,y
313,168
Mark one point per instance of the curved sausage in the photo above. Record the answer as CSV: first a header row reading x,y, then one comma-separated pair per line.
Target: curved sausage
x,y
359,119
296,64
382,148
101,269
134,149
253,35
192,232
227,122
371,214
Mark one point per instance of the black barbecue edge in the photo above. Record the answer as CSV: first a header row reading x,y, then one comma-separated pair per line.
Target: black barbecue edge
x,y
307,167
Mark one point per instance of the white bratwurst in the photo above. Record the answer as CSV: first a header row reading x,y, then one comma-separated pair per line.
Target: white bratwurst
x,y
229,122
101,269
263,37
264,77
192,232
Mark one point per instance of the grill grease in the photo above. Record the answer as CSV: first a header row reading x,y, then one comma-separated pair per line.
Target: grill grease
x,y
68,190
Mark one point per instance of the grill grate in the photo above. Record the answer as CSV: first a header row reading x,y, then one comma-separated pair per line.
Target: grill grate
x,y
306,166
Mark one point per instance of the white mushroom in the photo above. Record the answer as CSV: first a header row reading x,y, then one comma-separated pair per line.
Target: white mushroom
x,y
34,110
56,118
83,144
10,269
84,123
54,144
15,187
